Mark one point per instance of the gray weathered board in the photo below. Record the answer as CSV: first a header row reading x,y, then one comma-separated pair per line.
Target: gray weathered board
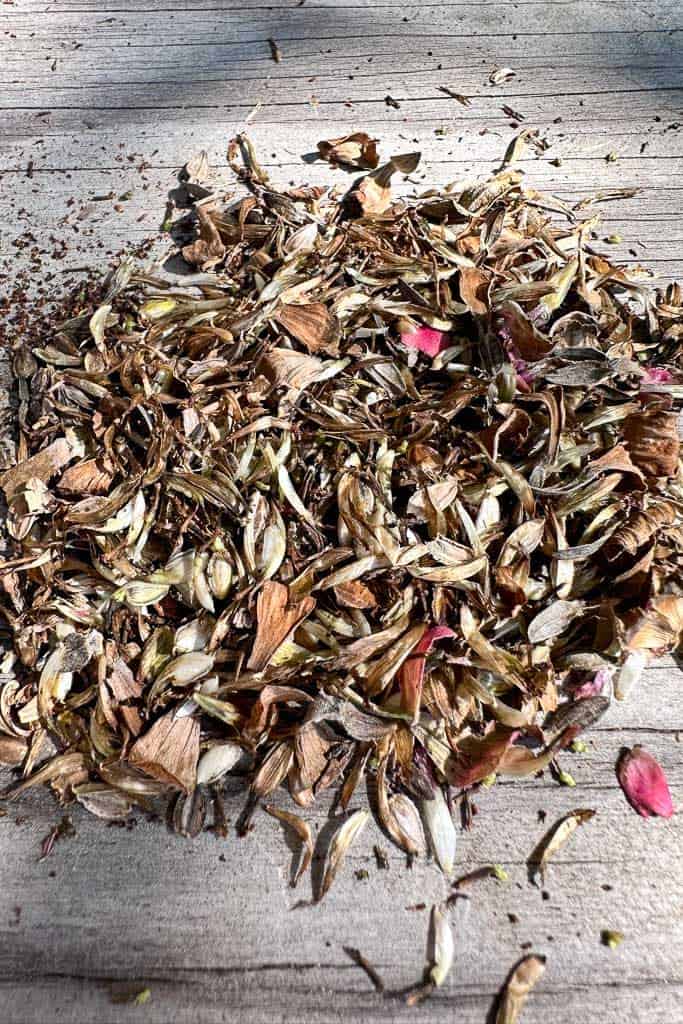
x,y
112,96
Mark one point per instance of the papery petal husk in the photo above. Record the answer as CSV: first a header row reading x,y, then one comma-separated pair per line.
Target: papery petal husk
x,y
304,833
653,442
357,150
526,974
104,801
342,839
169,751
208,250
555,838
312,324
440,831
355,594
276,619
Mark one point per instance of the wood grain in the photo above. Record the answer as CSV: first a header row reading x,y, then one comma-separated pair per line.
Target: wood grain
x,y
103,97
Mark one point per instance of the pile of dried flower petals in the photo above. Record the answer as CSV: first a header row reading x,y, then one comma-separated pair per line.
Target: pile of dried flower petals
x,y
388,486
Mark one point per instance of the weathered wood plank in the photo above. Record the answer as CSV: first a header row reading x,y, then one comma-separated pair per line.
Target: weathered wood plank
x,y
96,228
228,6
343,20
119,84
638,139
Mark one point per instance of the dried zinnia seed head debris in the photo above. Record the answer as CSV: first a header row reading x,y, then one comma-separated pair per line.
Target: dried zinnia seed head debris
x,y
388,486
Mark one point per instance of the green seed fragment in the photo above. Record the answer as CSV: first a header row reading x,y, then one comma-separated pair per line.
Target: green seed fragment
x,y
611,938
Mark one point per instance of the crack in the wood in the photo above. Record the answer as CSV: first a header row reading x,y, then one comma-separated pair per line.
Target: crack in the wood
x,y
403,38
357,102
176,976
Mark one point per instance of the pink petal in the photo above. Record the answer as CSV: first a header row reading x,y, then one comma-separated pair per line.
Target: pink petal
x,y
593,687
427,340
658,375
411,676
644,783
431,636
524,373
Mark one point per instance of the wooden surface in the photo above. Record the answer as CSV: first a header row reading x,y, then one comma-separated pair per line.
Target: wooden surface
x,y
112,96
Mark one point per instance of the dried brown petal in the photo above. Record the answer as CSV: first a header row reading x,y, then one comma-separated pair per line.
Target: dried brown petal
x,y
555,838
522,980
189,813
169,751
273,770
73,766
103,801
208,250
13,750
356,150
312,324
355,594
653,441
373,193
339,845
89,477
286,368
42,466
126,690
553,621
276,619
473,287
304,833
400,817
474,758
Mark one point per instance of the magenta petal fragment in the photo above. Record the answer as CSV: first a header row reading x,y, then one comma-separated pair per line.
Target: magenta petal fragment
x,y
644,783
593,687
412,671
658,375
427,340
431,636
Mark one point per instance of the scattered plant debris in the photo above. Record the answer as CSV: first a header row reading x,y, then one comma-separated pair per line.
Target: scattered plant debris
x,y
388,487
